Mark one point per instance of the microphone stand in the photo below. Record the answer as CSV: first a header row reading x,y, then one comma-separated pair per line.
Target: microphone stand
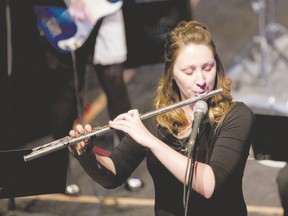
x,y
200,110
192,155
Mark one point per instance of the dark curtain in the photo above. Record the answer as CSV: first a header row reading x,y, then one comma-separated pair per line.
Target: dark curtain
x,y
29,102
4,106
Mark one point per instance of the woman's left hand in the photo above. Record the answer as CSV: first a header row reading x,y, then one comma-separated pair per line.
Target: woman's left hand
x,y
131,124
77,10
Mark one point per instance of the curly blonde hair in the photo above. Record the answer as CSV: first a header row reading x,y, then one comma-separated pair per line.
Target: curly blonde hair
x,y
168,92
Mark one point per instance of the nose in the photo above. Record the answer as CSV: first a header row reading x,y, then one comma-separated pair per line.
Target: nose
x,y
200,80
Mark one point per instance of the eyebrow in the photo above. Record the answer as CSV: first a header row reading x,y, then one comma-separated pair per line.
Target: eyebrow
x,y
209,64
212,63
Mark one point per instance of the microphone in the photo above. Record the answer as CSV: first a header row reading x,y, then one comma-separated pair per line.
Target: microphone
x,y
200,110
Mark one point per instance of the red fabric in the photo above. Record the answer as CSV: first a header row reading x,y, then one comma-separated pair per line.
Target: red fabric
x,y
101,151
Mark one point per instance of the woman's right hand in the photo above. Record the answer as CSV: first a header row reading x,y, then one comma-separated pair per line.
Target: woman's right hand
x,y
81,147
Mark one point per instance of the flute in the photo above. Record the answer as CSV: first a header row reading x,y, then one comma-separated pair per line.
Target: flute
x,y
98,131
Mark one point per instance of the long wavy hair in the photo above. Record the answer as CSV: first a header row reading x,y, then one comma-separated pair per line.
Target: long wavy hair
x,y
168,92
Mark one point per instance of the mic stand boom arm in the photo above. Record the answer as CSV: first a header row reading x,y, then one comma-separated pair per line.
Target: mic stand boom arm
x,y
98,131
192,155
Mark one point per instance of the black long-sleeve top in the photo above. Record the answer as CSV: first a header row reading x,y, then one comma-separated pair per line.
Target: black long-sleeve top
x,y
225,148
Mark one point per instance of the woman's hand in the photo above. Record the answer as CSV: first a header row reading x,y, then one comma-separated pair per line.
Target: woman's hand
x,y
81,147
87,10
77,10
131,124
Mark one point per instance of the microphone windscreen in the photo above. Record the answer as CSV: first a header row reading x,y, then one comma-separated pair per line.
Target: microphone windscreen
x,y
201,106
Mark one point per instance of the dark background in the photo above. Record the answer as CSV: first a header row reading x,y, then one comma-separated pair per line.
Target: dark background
x,y
25,98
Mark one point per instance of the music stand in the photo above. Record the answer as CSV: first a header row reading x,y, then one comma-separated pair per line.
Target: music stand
x,y
270,138
45,175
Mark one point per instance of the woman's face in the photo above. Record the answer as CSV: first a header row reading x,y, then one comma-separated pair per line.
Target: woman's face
x,y
194,70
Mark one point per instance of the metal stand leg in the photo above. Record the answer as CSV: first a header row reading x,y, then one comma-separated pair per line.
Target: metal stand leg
x,y
273,30
268,54
11,204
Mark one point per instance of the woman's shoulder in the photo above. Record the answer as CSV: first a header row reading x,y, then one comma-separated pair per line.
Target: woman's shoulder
x,y
241,110
240,106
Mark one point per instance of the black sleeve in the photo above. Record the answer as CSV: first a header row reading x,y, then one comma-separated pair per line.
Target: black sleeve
x,y
126,157
231,148
129,154
96,171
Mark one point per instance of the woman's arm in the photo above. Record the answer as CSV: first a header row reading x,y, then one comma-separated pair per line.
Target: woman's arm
x,y
175,162
203,178
109,171
100,168
232,146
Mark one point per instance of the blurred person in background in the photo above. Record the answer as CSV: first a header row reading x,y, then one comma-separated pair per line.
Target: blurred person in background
x,y
107,46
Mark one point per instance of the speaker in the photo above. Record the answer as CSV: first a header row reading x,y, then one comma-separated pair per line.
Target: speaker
x,y
269,137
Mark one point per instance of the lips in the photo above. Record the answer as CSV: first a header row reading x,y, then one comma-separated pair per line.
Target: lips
x,y
201,92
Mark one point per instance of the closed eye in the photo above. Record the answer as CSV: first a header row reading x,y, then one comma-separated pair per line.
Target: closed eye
x,y
188,71
208,67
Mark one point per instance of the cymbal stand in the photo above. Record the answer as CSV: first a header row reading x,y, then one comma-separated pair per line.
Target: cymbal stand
x,y
267,52
273,31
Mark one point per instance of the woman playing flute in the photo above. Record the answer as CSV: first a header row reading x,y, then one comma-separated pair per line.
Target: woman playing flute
x,y
192,67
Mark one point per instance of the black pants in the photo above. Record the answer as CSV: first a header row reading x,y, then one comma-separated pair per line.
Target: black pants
x,y
63,95
64,102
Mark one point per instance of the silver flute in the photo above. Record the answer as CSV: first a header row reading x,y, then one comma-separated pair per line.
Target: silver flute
x,y
98,131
